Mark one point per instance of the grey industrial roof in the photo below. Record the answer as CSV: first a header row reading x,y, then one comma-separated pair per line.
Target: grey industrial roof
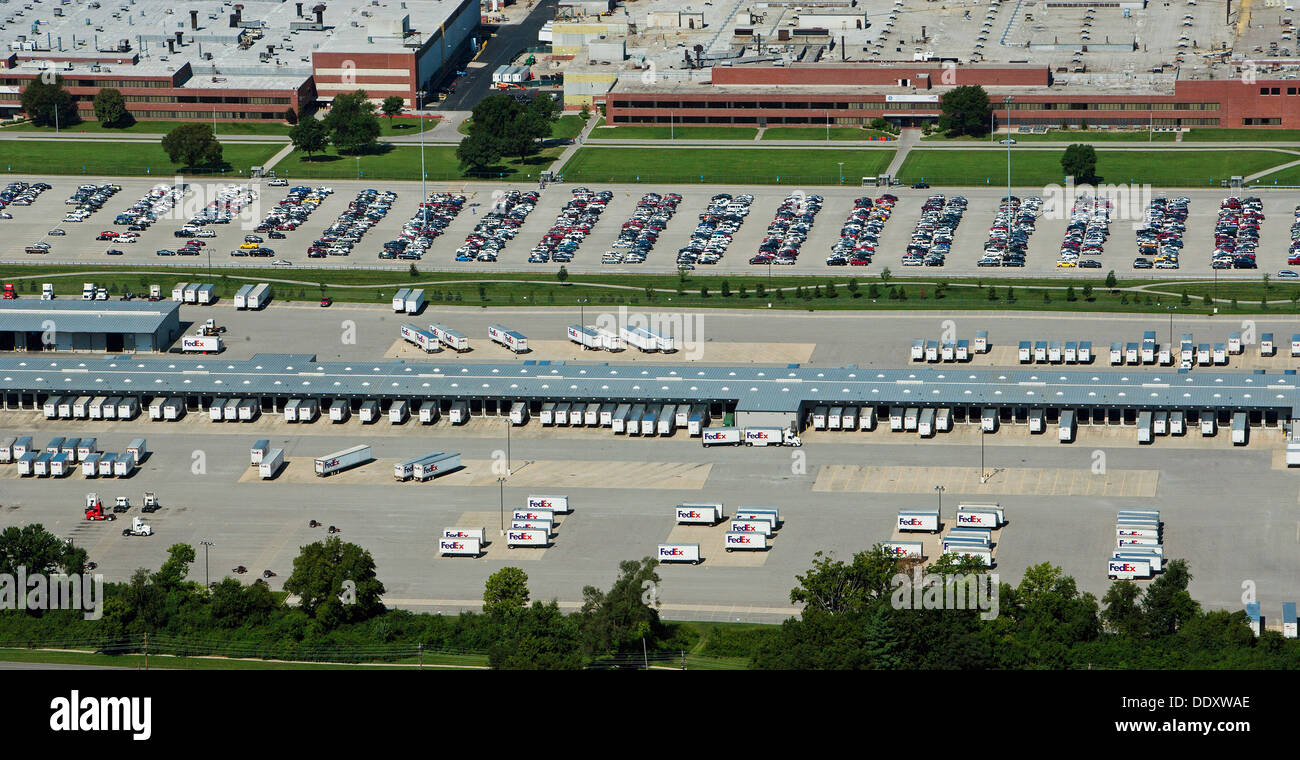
x,y
86,316
753,388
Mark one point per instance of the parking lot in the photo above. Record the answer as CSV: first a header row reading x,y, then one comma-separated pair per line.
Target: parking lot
x,y
31,224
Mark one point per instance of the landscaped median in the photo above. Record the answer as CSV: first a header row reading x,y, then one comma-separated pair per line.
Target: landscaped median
x,y
727,166
1164,167
99,157
839,291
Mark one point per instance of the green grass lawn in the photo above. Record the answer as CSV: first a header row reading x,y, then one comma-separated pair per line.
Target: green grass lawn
x,y
271,128
403,162
522,289
819,133
1243,135
399,126
737,166
677,132
76,157
164,662
1286,177
1064,135
566,127
1169,168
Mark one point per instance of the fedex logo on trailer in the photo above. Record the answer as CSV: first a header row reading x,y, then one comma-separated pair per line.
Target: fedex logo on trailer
x,y
713,436
540,503
675,551
760,435
743,527
494,333
902,521
519,535
455,534
688,514
972,519
739,540
452,545
897,551
1123,567
526,515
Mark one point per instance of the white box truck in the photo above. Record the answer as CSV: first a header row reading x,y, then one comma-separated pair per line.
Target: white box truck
x,y
724,436
912,549
398,412
399,300
745,541
342,460
556,504
414,301
750,526
699,514
918,520
458,414
518,413
459,547
369,411
535,538
258,452
340,411
1127,570
433,466
270,464
429,412
679,553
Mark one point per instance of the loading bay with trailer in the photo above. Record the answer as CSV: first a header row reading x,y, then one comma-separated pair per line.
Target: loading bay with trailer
x,y
992,434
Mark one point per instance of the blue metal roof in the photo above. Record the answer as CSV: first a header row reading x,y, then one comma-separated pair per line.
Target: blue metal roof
x,y
752,387
72,316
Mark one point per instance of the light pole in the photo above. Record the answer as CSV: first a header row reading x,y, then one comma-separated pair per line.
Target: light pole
x,y
359,167
424,196
582,313
983,477
939,490
205,545
827,115
1171,310
841,163
1007,100
508,443
501,492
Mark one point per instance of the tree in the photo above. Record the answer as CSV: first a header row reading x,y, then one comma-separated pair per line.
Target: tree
x,y
310,136
1185,301
1080,162
1069,294
110,108
1087,292
1123,615
38,550
563,274
726,289
354,127
614,621
476,152
539,637
833,587
506,590
174,570
1111,282
192,145
964,110
336,582
885,274
1166,604
392,106
48,104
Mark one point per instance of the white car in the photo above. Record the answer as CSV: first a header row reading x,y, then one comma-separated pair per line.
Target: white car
x,y
278,183
281,263
206,233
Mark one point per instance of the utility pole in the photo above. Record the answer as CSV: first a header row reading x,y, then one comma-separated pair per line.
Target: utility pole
x,y
1007,100
424,195
508,468
501,493
983,478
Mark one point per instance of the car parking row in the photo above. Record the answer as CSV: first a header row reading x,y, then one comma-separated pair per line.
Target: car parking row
x,y
572,225
640,232
1293,253
1236,233
933,235
789,229
19,194
718,224
498,227
860,233
1087,231
367,209
1160,236
158,201
291,212
1008,241
429,221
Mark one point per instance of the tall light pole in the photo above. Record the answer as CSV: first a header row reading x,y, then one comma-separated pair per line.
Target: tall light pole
x,y
508,443
939,490
983,477
205,545
841,163
501,492
582,314
424,196
670,126
1007,101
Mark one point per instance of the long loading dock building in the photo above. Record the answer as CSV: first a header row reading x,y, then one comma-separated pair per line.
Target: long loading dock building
x,y
756,395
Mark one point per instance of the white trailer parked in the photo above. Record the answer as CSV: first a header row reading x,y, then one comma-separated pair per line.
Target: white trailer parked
x,y
458,414
745,541
453,339
429,412
414,301
679,553
923,520
423,339
459,547
912,549
435,465
399,300
399,412
340,410
342,460
511,339
518,413
270,465
699,514
258,297
536,538
587,337
258,452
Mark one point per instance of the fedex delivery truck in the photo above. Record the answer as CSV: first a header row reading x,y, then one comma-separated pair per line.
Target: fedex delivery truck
x,y
745,541
478,534
679,553
751,526
1127,570
556,504
699,514
911,549
459,547
922,520
523,537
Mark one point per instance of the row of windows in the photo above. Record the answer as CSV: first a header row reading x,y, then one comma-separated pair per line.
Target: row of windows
x,y
193,115
1120,121
873,106
1262,122
1278,91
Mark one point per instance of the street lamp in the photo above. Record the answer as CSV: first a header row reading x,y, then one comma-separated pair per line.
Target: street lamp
x,y
1007,101
939,490
205,545
424,196
507,418
582,314
841,163
983,477
1171,310
501,492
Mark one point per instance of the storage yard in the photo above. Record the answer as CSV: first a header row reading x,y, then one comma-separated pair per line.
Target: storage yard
x,y
842,442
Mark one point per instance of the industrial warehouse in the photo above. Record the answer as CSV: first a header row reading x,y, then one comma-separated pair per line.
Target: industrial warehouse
x,y
110,326
595,394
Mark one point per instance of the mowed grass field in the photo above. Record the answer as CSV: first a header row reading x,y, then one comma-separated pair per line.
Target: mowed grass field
x,y
40,157
738,166
821,133
1168,168
677,132
1243,135
398,125
403,163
